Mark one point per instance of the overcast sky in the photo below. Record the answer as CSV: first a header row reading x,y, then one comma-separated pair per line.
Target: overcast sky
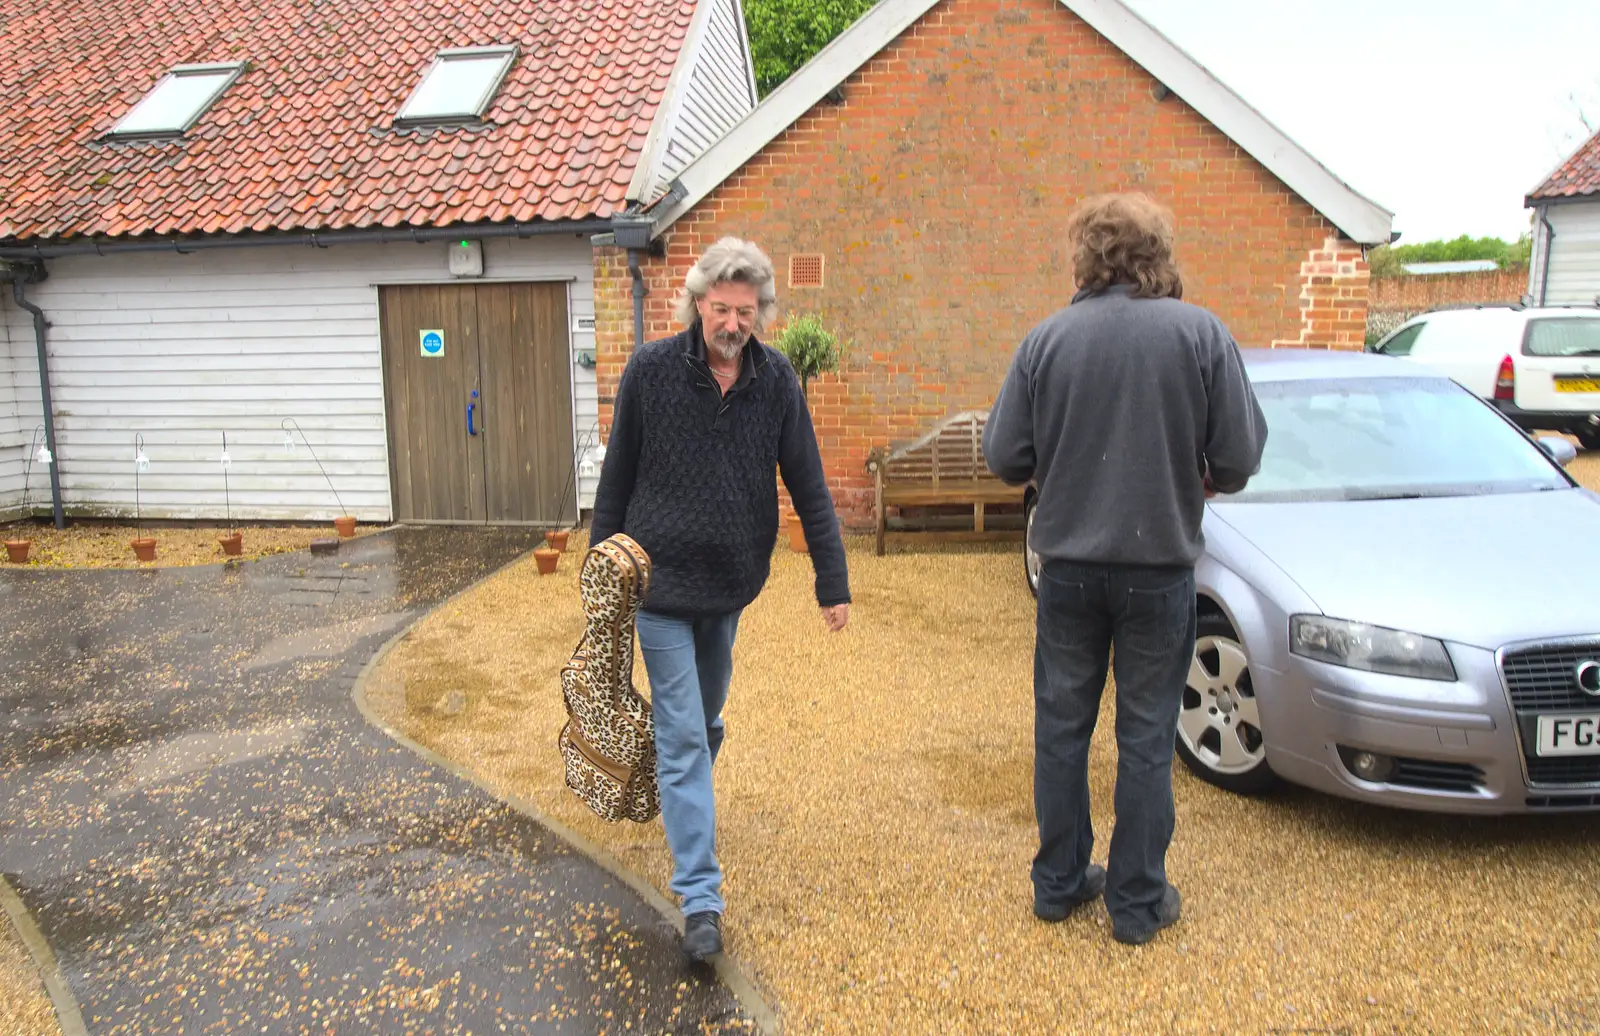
x,y
1446,112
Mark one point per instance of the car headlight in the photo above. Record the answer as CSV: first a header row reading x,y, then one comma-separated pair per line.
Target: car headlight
x,y
1356,645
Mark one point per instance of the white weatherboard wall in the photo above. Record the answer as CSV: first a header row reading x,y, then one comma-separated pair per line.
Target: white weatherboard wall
x,y
717,92
182,348
1574,255
13,439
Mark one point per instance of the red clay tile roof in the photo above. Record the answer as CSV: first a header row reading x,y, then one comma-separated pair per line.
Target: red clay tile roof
x,y
303,140
1578,175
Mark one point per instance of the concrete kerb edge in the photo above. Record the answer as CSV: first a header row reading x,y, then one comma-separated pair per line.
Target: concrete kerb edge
x,y
726,967
55,983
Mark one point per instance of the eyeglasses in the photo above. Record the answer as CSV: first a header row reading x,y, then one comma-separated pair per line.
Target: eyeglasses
x,y
719,313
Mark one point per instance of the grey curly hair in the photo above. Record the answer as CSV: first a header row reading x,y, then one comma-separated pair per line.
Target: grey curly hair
x,y
730,259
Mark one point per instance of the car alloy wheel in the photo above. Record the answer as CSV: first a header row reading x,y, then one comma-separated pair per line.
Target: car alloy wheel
x,y
1219,725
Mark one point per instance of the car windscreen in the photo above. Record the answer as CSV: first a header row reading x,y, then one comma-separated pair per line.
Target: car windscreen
x,y
1562,336
1389,438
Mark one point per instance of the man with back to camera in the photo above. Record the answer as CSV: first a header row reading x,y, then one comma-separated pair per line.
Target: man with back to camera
x,y
703,421
1127,409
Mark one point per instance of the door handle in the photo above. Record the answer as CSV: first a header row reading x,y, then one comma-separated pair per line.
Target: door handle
x,y
470,408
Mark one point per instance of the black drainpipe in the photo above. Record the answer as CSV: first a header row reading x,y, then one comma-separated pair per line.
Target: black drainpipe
x,y
633,232
1549,246
20,276
638,297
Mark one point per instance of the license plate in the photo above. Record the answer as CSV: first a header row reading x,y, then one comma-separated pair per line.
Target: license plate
x,y
1577,385
1569,735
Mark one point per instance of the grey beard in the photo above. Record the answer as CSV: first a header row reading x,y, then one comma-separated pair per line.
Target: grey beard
x,y
728,352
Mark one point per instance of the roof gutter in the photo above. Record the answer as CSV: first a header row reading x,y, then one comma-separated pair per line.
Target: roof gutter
x,y
313,239
20,275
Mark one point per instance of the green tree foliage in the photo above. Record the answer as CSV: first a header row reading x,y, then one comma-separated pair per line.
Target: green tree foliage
x,y
809,346
1386,261
785,34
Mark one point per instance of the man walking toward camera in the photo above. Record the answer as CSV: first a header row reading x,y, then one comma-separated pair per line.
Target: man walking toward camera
x,y
702,423
1127,409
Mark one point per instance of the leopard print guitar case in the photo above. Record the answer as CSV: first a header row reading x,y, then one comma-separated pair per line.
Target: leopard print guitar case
x,y
608,743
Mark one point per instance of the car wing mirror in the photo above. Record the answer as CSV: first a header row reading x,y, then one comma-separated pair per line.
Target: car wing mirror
x,y
1560,450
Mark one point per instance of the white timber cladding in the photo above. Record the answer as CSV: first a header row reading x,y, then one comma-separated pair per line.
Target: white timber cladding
x,y
13,436
1573,254
713,89
181,348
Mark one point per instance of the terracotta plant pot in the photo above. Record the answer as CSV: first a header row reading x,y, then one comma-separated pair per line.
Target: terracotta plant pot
x,y
144,549
346,526
557,539
546,558
17,551
233,545
797,535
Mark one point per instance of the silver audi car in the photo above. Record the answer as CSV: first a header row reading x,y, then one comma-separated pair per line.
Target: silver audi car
x,y
1402,606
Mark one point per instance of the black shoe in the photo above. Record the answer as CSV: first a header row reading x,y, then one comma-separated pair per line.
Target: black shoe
x,y
1094,883
702,935
1166,916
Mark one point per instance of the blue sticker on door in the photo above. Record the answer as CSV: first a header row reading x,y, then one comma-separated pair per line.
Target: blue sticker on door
x,y
433,343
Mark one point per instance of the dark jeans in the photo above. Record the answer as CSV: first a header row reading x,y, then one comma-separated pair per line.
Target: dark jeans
x,y
1148,614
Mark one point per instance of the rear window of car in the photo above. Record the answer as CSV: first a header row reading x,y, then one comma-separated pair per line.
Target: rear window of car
x,y
1563,336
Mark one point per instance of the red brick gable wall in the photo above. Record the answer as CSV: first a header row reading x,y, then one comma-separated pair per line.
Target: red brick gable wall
x,y
938,192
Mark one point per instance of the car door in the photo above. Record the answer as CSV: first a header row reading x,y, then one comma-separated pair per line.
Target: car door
x,y
1461,347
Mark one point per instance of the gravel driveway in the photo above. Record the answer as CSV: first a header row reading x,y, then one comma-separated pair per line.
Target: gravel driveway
x,y
876,826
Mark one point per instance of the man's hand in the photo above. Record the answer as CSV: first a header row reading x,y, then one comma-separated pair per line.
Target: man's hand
x,y
1211,490
836,617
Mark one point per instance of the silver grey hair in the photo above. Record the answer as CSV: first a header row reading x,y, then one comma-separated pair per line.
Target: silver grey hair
x,y
730,259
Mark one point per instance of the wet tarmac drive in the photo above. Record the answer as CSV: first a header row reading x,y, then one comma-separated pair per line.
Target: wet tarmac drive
x,y
214,840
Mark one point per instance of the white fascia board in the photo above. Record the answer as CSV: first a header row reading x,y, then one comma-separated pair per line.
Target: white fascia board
x,y
1361,218
797,95
671,101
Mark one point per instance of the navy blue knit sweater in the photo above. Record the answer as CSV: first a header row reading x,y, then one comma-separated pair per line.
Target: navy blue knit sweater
x,y
691,475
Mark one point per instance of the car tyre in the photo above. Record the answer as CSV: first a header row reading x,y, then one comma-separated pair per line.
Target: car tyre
x,y
1219,733
1588,438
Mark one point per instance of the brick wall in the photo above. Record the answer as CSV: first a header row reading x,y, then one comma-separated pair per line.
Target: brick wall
x,y
938,192
1397,299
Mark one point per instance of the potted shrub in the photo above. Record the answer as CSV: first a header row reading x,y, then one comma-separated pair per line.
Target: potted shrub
x,y
811,350
233,543
144,547
345,523
17,549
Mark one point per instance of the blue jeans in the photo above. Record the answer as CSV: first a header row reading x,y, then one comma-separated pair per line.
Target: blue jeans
x,y
689,662
1148,614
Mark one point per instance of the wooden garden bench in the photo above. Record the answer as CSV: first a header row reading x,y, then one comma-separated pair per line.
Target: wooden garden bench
x,y
945,467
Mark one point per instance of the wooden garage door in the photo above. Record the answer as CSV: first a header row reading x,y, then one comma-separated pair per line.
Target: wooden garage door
x,y
478,381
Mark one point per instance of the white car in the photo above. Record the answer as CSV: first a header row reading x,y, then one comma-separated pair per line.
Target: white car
x,y
1540,367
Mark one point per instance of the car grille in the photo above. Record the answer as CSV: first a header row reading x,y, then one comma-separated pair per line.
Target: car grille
x,y
1541,680
1437,776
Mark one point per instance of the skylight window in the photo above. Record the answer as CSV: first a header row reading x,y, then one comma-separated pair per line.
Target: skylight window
x,y
459,85
177,101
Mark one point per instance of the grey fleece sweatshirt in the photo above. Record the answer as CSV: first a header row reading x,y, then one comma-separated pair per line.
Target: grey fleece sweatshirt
x,y
1116,408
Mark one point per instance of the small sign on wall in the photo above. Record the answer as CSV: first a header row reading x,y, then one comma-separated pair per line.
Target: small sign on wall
x,y
433,343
